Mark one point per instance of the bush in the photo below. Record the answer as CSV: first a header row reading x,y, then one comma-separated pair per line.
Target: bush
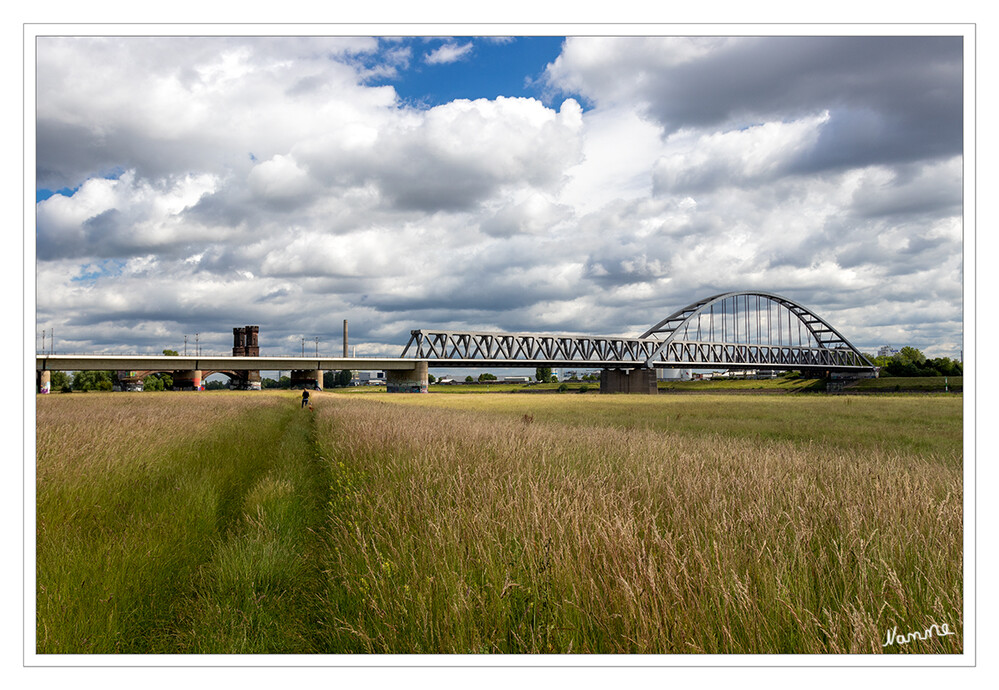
x,y
563,388
584,388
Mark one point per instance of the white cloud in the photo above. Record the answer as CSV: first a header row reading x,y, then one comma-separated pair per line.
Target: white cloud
x,y
266,182
449,52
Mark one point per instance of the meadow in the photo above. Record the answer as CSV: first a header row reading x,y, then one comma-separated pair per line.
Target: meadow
x,y
224,522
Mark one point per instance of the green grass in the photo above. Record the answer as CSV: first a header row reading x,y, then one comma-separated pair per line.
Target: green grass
x,y
839,422
170,524
921,384
778,385
239,523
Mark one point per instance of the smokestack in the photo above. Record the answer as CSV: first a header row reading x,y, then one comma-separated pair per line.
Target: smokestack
x,y
345,337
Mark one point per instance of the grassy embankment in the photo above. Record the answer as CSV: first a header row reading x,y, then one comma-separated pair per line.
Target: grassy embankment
x,y
928,384
459,524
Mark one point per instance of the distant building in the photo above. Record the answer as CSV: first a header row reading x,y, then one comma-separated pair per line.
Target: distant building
x,y
887,351
368,378
674,374
515,379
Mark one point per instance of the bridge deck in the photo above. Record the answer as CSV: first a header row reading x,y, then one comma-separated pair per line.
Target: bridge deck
x,y
217,363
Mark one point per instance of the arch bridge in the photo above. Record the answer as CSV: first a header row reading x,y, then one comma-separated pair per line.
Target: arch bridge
x,y
732,330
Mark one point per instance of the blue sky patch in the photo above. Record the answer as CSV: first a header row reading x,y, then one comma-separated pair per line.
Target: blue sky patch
x,y
482,67
89,273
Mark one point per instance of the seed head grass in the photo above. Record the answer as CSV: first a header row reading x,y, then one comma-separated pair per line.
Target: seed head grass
x,y
469,530
240,523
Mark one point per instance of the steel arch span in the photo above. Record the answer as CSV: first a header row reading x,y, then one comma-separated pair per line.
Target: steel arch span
x,y
735,330
755,328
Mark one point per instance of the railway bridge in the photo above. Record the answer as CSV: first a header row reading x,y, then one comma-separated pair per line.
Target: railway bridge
x,y
732,330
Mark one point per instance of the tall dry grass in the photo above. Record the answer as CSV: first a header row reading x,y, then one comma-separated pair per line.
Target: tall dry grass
x,y
219,523
459,531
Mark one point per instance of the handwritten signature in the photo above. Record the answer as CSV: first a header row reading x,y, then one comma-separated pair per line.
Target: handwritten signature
x,y
940,631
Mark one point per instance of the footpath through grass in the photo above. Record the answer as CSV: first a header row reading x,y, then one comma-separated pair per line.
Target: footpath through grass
x,y
239,523
177,523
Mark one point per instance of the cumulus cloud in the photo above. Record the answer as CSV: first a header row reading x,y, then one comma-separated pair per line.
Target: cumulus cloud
x,y
224,181
889,98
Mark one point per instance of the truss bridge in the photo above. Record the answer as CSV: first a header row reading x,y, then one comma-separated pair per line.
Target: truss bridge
x,y
732,330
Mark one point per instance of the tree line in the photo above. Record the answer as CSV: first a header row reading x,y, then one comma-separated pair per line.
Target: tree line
x,y
911,362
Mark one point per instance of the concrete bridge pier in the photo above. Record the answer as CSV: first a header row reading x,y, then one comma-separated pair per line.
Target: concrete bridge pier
x,y
629,381
306,378
187,380
411,381
44,382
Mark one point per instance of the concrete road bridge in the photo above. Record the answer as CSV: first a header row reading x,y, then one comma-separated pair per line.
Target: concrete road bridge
x,y
748,330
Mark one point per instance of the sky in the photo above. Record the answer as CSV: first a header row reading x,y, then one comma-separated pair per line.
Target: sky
x,y
586,185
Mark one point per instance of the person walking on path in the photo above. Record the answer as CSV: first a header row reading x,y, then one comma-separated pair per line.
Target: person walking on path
x,y
305,397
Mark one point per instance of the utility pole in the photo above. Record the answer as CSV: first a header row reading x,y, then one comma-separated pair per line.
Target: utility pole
x,y
345,338
43,341
303,346
185,345
317,346
197,344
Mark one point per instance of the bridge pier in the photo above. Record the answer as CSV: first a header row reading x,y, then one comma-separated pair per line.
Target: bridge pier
x,y
44,382
246,380
629,381
307,378
412,381
187,380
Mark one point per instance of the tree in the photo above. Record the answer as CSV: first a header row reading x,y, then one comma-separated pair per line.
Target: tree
x,y
431,378
171,353
486,377
469,379
910,355
343,378
216,385
60,381
543,374
335,379
92,381
944,365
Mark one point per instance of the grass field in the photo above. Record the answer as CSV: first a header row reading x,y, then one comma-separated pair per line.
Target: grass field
x,y
238,523
928,384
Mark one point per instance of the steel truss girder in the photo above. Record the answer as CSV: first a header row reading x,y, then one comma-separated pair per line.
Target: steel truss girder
x,y
529,348
466,349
